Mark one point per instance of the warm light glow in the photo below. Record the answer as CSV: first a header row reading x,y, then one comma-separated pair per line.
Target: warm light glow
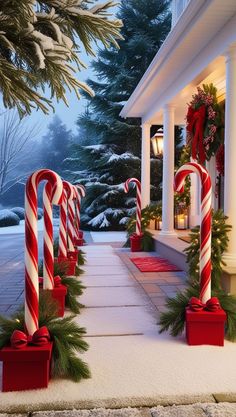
x,y
181,221
157,142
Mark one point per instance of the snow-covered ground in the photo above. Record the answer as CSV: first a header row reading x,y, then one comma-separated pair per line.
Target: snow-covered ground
x,y
20,228
108,236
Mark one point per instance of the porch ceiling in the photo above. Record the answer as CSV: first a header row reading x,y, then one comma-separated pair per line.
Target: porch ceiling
x,y
191,54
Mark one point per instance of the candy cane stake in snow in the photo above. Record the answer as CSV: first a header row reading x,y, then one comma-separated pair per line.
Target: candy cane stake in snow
x,y
69,188
62,250
205,230
138,202
81,193
48,255
31,242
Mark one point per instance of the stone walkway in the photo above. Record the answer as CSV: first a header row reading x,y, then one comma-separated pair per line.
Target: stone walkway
x,y
110,289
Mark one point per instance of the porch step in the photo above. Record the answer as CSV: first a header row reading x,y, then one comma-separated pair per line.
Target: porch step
x,y
171,248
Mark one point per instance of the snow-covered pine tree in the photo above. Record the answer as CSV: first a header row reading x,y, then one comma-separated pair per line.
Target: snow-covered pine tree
x,y
116,154
40,44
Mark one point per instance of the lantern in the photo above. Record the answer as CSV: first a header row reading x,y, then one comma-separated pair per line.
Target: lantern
x,y
157,142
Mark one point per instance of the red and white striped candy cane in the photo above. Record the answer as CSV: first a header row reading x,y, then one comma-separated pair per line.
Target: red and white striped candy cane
x,y
69,188
48,255
31,242
205,230
81,193
138,202
62,250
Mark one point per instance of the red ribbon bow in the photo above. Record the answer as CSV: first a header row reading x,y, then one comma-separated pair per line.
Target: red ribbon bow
x,y
212,304
57,281
195,126
19,339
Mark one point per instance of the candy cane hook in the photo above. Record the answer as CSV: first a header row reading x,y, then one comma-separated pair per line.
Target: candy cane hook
x,y
48,255
81,193
69,189
31,242
205,229
138,202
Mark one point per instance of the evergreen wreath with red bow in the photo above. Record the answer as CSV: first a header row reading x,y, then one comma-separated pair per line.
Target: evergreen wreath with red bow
x,y
204,123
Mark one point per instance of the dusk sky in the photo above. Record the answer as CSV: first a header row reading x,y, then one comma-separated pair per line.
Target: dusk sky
x,y
67,114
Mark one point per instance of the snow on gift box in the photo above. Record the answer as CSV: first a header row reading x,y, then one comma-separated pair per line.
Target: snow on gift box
x,y
29,340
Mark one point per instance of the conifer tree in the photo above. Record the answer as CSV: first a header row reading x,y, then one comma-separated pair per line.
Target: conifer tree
x,y
40,44
113,149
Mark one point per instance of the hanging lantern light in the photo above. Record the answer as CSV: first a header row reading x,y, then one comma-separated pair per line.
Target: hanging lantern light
x,y
157,142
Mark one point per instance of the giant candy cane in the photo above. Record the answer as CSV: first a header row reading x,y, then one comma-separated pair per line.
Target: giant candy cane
x,y
69,188
138,203
62,250
48,255
31,242
205,241
81,193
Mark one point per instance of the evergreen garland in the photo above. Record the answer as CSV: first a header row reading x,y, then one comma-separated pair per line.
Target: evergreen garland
x,y
173,319
183,199
66,335
220,230
74,287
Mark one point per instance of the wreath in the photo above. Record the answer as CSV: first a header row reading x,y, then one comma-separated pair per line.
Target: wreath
x,y
204,123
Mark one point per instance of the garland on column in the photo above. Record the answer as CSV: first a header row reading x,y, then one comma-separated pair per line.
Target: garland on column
x,y
173,319
205,123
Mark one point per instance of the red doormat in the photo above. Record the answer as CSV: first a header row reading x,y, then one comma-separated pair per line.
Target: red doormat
x,y
153,264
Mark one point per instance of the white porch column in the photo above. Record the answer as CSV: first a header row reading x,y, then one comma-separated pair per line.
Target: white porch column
x,y
145,165
211,167
194,215
168,171
230,152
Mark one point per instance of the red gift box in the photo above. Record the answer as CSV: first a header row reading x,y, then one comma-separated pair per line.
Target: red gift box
x,y
59,293
205,327
70,265
26,368
80,234
73,255
136,242
79,241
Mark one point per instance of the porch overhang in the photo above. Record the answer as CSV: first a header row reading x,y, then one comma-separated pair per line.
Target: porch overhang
x,y
192,52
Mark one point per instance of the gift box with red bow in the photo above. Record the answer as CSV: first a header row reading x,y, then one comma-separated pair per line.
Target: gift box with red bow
x,y
58,293
70,265
205,323
79,241
73,255
136,242
26,362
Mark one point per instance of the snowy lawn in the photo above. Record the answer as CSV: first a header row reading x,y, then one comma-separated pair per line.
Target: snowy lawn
x,y
20,228
108,237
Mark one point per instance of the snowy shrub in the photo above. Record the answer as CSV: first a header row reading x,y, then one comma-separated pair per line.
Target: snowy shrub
x,y
8,218
19,211
40,213
105,219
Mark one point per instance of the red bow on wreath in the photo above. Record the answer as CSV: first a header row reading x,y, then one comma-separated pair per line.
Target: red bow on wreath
x,y
212,304
195,126
19,339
